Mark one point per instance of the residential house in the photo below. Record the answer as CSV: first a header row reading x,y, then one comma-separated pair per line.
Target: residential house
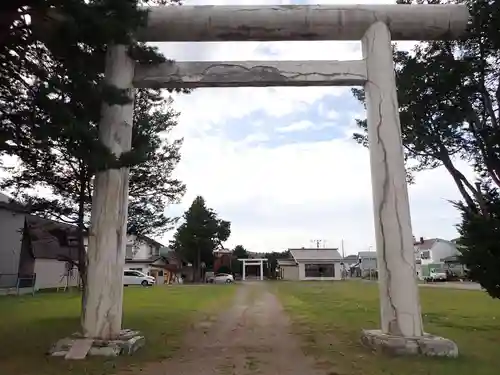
x,y
350,260
140,253
49,250
367,263
12,217
311,264
35,252
222,258
431,254
34,248
153,258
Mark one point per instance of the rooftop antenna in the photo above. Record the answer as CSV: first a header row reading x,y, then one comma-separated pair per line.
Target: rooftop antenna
x,y
317,242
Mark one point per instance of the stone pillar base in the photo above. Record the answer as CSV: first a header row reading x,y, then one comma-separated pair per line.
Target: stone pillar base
x,y
426,345
78,347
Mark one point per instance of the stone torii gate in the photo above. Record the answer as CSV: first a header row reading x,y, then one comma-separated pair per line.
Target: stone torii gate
x,y
376,26
253,262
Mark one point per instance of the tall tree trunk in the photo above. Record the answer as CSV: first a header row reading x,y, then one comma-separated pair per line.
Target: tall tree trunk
x,y
82,254
460,181
198,264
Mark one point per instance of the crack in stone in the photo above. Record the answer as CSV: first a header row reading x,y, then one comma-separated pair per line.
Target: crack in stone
x,y
238,74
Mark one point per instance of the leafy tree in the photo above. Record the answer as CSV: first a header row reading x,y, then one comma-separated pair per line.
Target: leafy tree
x,y
449,95
239,252
224,269
200,234
65,170
272,261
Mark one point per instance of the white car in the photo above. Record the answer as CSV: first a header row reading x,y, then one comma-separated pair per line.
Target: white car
x,y
436,275
132,277
223,278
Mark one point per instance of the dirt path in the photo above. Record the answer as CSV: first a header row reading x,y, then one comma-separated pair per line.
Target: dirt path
x,y
252,337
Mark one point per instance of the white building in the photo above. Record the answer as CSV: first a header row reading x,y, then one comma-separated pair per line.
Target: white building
x,y
311,264
430,253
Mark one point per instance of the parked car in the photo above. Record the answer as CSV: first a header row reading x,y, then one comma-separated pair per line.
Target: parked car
x,y
221,278
437,275
132,277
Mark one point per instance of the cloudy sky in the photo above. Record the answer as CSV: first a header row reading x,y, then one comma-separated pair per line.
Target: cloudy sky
x,y
280,163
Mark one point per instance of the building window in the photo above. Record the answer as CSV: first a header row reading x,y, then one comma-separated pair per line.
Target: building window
x,y
320,270
426,254
136,269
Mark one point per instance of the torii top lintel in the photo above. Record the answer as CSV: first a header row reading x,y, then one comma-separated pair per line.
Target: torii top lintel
x,y
302,22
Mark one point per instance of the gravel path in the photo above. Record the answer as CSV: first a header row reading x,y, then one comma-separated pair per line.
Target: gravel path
x,y
252,337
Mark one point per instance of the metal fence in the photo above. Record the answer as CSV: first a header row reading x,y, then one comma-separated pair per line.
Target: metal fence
x,y
17,284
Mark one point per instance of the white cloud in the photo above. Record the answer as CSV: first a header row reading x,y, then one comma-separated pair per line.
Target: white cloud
x,y
289,194
296,126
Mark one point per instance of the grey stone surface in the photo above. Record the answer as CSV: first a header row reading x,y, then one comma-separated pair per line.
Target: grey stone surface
x,y
426,345
194,74
127,343
105,351
302,22
79,349
61,347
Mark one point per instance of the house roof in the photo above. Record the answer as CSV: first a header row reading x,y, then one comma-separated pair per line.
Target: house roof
x,y
315,254
351,258
367,254
149,240
451,259
286,262
9,204
50,239
427,244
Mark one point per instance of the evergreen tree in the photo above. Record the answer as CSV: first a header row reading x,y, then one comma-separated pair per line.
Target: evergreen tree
x,y
480,236
239,252
199,235
51,93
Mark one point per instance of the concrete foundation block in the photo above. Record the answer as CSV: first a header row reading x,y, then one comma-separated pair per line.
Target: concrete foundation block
x,y
127,343
426,345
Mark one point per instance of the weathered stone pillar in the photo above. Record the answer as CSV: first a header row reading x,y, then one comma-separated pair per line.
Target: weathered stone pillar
x,y
400,307
402,330
108,230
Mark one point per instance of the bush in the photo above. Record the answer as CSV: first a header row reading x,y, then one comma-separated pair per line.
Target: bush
x,y
223,269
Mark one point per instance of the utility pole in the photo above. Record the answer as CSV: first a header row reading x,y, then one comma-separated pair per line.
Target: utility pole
x,y
342,248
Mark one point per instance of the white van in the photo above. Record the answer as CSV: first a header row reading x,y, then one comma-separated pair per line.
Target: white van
x,y
132,277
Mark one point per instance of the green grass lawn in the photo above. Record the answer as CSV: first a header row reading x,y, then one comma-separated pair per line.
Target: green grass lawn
x,y
329,317
30,325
